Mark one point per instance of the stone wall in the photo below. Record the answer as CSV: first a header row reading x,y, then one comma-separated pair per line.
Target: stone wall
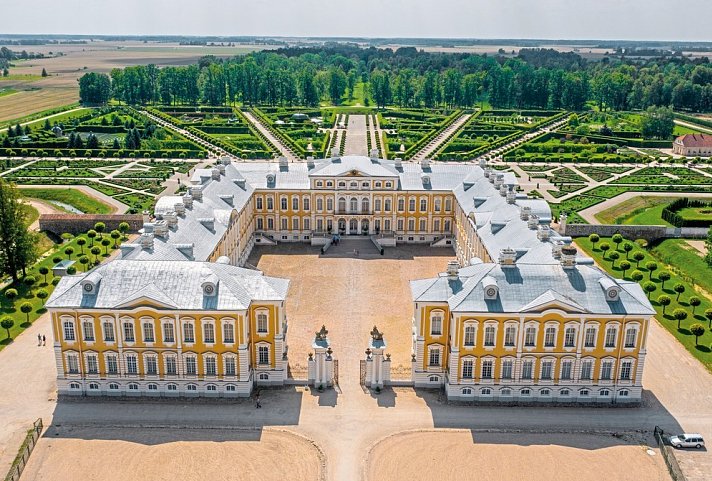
x,y
78,223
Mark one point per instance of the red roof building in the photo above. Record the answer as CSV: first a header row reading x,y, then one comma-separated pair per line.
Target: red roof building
x,y
691,145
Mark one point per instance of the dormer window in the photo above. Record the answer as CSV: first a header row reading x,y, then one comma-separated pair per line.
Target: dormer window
x,y
91,283
491,290
210,286
611,288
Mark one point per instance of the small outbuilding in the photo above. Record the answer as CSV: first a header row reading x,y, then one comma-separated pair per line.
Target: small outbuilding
x,y
691,145
60,269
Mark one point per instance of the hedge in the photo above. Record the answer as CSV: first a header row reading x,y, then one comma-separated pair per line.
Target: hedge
x,y
671,213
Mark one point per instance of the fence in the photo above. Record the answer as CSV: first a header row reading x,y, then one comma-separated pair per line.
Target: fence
x,y
668,456
18,465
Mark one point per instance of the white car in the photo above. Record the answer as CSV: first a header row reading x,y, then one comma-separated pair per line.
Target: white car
x,y
687,441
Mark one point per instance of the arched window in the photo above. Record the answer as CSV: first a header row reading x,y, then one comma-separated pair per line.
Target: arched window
x,y
94,386
467,391
230,388
172,387
319,204
469,335
330,204
564,392
342,204
283,203
74,385
436,323
264,376
365,205
192,387
545,392
113,386
486,391
354,204
467,368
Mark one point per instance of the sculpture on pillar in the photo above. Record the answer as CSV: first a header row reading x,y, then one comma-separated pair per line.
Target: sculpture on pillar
x,y
376,335
321,334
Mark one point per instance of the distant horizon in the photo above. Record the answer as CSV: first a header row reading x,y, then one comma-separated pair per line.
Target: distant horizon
x,y
610,20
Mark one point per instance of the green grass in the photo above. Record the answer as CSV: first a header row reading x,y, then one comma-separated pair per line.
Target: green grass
x,y
38,115
21,77
5,92
684,270
76,198
697,213
359,96
58,119
27,294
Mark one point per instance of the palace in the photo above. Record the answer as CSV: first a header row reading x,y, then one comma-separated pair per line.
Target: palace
x,y
517,316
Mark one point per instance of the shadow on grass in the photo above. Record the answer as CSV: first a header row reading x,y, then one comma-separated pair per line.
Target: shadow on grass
x,y
684,332
6,341
703,348
25,324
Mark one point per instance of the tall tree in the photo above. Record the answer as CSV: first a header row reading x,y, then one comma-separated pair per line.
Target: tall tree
x,y
17,242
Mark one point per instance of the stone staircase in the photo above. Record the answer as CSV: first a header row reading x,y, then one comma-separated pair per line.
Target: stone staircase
x,y
350,244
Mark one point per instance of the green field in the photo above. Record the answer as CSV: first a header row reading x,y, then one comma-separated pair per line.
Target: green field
x,y
4,92
76,198
687,269
643,210
697,213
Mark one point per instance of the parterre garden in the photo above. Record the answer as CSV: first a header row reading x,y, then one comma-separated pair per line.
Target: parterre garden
x,y
304,130
405,132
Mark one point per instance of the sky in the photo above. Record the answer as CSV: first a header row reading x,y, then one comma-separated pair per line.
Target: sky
x,y
540,19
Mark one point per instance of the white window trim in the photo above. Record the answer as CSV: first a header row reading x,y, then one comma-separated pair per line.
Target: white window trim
x,y
104,320
495,325
258,312
205,321
433,314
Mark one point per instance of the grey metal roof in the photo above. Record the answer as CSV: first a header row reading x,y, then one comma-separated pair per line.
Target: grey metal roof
x,y
171,284
531,288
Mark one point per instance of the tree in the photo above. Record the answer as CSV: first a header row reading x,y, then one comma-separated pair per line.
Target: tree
x,y
637,276
625,265
29,281
44,73
84,260
637,257
115,234
651,266
694,302
42,294
664,301
708,315
657,123
7,323
106,243
81,242
44,271
11,294
593,238
614,256
679,288
91,234
124,228
96,250
617,239
627,247
99,227
17,243
69,251
26,308
605,246
649,287
680,315
664,276
94,88
697,330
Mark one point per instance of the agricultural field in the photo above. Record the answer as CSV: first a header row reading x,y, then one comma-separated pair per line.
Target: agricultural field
x,y
407,131
108,132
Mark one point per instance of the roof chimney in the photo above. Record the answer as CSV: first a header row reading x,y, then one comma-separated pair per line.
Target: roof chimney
x,y
196,192
188,200
503,190
283,162
221,169
453,267
374,154
425,164
310,162
225,160
508,257
146,241
398,163
160,228
568,257
215,173
533,221
335,153
179,207
525,212
483,163
171,218
488,174
498,180
543,232
511,196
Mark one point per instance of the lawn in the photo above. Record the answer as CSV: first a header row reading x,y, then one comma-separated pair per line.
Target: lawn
x,y
643,210
76,198
4,92
10,308
697,213
684,271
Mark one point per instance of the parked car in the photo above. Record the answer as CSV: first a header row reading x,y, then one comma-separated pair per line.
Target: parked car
x,y
687,441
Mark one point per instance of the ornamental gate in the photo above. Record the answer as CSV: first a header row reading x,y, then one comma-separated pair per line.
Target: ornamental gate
x,y
336,372
362,374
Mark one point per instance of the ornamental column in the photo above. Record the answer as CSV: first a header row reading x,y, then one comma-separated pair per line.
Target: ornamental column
x,y
321,363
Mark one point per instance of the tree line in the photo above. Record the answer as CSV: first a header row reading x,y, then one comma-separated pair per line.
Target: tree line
x,y
536,78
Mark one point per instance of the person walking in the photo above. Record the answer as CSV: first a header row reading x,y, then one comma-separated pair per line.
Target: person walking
x,y
44,340
257,402
39,339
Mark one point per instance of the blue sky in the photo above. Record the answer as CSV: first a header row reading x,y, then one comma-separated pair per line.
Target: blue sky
x,y
570,19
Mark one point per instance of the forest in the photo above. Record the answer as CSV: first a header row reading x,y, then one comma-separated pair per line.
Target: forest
x,y
407,77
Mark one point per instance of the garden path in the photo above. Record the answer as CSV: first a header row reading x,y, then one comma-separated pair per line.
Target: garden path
x,y
432,146
278,144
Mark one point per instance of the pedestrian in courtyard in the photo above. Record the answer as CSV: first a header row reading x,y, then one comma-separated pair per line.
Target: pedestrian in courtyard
x,y
257,402
44,340
39,339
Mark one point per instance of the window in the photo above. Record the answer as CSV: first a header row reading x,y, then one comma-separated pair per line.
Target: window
x,y
131,364
353,185
422,225
148,335
284,223
258,203
270,203
590,337
545,392
94,386
447,225
353,204
606,370
469,335
262,322
626,370
436,324
69,331
260,223
330,204
546,368
377,204
400,224
263,352
192,387
212,387
72,364
188,332
88,328
509,335
401,205
434,357
365,206
566,369
112,365
489,336
630,337
467,369
527,369
283,203
467,391
586,368
388,185
487,369
74,385
525,392
171,366
211,366
423,205
623,393
436,225
168,333
209,333
191,366
486,391
228,333
151,366
319,204
270,223
133,386
295,223
411,205
448,205
387,205
295,203
584,392
438,204
411,224
108,331
113,386
434,379
230,388
230,366
604,393
564,392
129,332
364,185
530,336
507,369
264,376
549,336
570,337
611,337
92,364
153,387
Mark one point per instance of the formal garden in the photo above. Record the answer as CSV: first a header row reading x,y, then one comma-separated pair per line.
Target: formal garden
x,y
22,302
109,132
676,280
407,131
305,131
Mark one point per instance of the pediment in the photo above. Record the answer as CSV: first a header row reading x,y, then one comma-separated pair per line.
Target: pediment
x,y
148,296
552,299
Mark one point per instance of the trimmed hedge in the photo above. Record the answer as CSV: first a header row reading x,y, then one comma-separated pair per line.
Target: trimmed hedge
x,y
671,213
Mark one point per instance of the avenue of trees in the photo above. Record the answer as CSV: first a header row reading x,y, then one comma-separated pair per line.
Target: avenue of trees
x,y
536,78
